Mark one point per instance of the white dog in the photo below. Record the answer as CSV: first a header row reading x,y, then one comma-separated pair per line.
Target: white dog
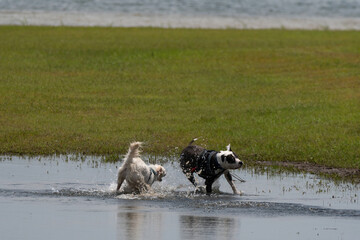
x,y
139,176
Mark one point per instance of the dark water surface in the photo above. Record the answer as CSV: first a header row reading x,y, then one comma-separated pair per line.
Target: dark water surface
x,y
56,198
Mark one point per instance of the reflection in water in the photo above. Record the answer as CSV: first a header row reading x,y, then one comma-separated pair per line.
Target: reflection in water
x,y
135,223
200,227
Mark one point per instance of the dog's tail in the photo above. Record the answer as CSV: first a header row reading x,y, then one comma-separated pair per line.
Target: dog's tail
x,y
133,152
192,141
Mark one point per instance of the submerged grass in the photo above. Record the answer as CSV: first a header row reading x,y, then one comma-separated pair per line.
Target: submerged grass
x,y
275,95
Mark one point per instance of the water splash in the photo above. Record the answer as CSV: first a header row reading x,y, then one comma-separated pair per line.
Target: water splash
x,y
266,192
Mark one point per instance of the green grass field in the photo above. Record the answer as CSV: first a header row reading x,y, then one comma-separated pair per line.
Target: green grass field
x,y
276,95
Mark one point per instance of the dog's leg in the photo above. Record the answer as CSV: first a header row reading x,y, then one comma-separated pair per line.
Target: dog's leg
x,y
143,187
209,183
231,182
190,176
119,184
121,179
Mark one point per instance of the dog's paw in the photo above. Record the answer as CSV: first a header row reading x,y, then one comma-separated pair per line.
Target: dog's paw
x,y
200,190
240,193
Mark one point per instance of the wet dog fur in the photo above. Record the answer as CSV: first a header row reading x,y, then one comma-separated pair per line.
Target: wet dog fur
x,y
138,176
192,161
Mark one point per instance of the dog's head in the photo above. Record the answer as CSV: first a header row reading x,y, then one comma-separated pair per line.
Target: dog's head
x,y
160,172
228,159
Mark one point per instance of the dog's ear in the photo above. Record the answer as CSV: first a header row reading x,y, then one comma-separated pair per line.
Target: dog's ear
x,y
228,147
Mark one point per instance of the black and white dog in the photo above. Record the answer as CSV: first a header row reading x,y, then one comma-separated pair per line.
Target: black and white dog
x,y
209,164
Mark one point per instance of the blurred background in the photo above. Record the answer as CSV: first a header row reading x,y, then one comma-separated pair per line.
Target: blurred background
x,y
291,14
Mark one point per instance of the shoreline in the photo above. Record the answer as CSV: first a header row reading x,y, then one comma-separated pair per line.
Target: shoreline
x,y
92,19
334,173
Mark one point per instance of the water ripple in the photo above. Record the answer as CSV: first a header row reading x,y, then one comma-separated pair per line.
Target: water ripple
x,y
222,202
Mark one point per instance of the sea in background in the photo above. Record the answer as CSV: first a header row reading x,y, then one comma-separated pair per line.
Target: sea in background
x,y
239,14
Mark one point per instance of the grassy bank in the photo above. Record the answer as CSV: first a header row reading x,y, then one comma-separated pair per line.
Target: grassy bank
x,y
275,95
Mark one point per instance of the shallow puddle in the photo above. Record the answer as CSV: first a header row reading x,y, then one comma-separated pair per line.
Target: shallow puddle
x,y
56,198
